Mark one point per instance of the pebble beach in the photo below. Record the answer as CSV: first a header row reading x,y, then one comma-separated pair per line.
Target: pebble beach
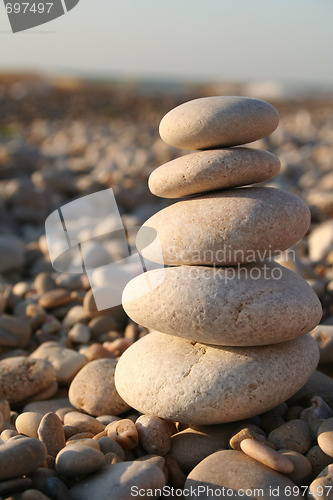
x,y
68,430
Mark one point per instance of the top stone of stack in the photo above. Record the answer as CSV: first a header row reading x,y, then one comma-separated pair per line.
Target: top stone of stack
x,y
218,122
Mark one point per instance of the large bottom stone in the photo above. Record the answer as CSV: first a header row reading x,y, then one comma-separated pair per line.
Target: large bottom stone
x,y
195,383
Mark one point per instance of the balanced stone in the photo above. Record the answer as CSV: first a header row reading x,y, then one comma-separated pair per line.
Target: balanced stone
x,y
194,383
237,226
224,306
221,121
211,170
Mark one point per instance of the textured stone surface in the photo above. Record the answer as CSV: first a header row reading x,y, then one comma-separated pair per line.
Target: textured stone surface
x,y
22,377
228,227
218,122
212,169
235,471
189,382
222,306
93,390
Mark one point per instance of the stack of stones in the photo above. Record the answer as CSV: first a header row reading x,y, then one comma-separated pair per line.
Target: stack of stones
x,y
230,324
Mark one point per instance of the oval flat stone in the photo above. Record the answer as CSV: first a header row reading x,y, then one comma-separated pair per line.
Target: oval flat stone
x,y
194,383
213,169
220,121
238,226
224,306
240,476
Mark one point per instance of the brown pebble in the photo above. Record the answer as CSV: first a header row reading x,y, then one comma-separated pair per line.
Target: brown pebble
x,y
78,460
55,298
302,467
96,351
109,445
154,435
266,456
124,433
118,346
51,433
44,283
101,324
250,432
83,423
293,435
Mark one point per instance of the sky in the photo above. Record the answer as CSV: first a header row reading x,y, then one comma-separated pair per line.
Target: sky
x,y
211,40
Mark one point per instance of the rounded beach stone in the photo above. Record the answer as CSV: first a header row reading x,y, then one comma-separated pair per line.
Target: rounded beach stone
x,y
81,422
325,437
219,121
201,384
21,377
224,306
77,460
233,470
118,480
243,225
55,298
51,433
27,423
213,169
154,434
293,435
302,467
14,332
190,447
93,390
20,457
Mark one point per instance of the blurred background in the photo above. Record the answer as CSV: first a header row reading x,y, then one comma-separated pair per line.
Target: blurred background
x,y
81,99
